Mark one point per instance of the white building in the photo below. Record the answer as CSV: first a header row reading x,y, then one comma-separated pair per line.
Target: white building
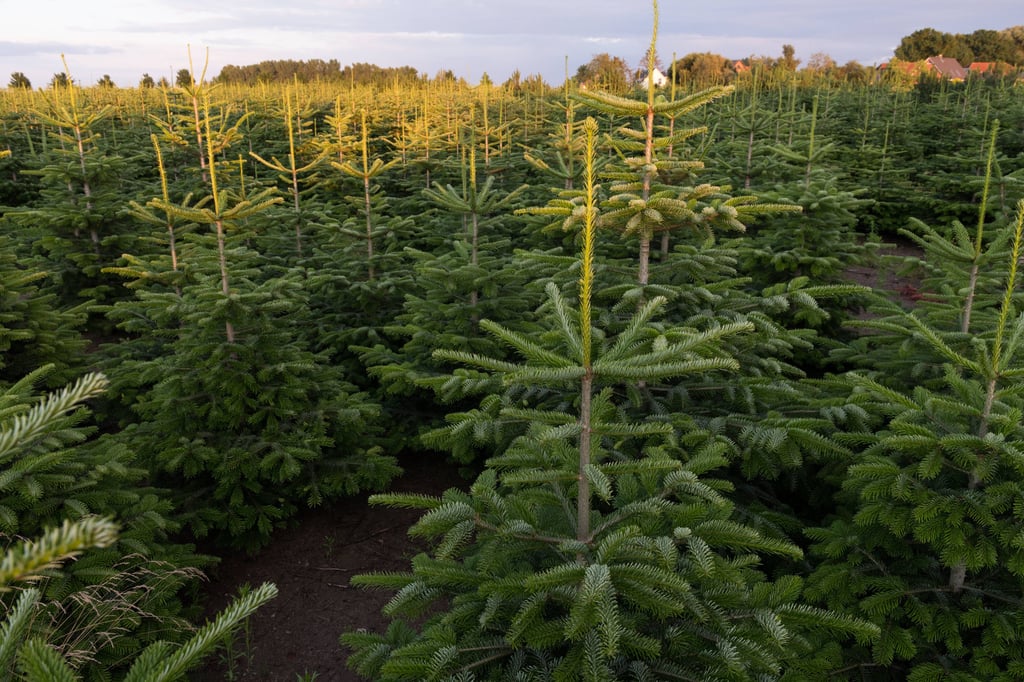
x,y
659,78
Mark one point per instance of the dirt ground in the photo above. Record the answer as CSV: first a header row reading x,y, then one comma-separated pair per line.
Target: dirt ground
x,y
890,273
297,633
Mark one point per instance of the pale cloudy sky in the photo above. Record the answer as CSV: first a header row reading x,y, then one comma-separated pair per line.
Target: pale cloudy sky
x,y
126,38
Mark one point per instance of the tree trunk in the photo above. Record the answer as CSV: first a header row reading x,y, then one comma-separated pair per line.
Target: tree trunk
x,y
229,329
369,228
583,483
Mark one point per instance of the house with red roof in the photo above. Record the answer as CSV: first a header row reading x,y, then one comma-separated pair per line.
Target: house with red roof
x,y
990,69
938,66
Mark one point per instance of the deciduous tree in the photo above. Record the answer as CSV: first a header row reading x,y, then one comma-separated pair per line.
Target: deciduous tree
x,y
991,46
789,61
820,63
854,72
605,72
183,79
703,69
1016,34
928,42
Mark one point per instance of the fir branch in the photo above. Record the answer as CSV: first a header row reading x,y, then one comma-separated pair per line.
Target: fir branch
x,y
626,371
206,639
29,560
22,429
39,662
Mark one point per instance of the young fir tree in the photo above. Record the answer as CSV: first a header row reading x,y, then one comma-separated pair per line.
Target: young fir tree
x,y
928,542
962,273
567,142
645,196
462,275
74,226
469,278
236,411
300,179
592,548
366,172
821,241
362,256
704,285
655,191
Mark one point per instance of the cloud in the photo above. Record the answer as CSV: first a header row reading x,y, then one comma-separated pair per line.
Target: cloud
x,y
9,49
35,49
534,17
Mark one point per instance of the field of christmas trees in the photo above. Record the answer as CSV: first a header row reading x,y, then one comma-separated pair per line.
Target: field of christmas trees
x,y
691,446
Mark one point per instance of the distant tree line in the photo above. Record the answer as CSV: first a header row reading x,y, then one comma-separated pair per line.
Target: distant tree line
x,y
279,70
705,69
984,45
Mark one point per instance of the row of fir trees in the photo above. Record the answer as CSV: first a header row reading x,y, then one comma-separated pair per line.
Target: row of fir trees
x,y
695,449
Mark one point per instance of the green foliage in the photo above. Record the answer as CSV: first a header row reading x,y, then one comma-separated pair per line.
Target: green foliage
x,y
928,42
122,594
593,547
19,80
983,45
250,427
605,73
34,330
929,549
75,226
28,651
266,355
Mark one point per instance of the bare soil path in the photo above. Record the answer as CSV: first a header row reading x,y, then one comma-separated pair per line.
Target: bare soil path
x,y
311,564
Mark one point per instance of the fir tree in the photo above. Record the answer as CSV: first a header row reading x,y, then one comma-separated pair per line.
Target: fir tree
x,y
75,226
928,548
578,554
34,330
235,411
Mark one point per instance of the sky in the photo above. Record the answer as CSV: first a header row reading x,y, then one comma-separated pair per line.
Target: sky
x,y
126,38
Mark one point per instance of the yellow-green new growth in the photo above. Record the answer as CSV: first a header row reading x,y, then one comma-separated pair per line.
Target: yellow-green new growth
x,y
589,232
291,172
998,365
632,207
585,471
24,427
292,169
972,286
366,173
